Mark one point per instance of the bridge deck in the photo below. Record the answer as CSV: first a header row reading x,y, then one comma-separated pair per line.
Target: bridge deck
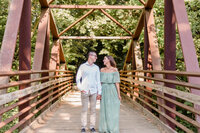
x,y
65,118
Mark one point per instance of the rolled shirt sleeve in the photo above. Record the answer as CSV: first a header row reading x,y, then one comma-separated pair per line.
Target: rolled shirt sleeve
x,y
78,78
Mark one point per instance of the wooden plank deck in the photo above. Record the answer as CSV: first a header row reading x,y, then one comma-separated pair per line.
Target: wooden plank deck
x,y
65,118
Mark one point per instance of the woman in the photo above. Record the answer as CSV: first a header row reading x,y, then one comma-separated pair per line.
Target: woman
x,y
110,100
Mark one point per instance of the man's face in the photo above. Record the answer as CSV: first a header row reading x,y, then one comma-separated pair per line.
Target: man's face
x,y
93,57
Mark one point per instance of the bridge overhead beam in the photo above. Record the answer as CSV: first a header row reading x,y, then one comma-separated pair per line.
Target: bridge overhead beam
x,y
188,47
96,37
96,7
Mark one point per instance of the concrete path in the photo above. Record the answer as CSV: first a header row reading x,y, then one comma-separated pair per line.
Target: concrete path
x,y
65,118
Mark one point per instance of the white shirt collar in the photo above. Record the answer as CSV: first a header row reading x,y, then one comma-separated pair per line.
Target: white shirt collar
x,y
87,63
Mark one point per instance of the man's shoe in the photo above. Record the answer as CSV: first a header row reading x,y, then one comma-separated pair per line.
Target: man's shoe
x,y
92,130
83,130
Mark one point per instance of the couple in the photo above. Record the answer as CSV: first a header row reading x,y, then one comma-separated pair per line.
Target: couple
x,y
95,85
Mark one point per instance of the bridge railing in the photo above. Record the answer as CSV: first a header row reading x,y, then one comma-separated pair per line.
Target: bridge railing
x,y
147,89
19,107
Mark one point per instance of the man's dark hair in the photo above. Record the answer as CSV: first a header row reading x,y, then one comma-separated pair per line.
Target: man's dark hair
x,y
91,52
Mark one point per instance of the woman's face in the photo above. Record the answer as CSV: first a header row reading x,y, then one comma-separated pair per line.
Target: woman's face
x,y
106,60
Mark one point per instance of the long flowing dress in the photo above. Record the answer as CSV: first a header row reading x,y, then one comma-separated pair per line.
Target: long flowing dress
x,y
110,103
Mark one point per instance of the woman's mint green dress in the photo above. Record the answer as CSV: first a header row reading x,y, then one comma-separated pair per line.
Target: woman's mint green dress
x,y
110,104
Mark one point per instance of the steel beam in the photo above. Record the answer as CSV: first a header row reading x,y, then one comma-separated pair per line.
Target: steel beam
x,y
40,42
128,55
146,46
96,37
55,58
39,47
45,61
138,57
155,55
62,55
25,51
96,7
53,27
138,62
9,40
54,55
133,56
114,20
149,4
81,18
10,35
147,63
153,42
44,3
188,47
139,26
170,53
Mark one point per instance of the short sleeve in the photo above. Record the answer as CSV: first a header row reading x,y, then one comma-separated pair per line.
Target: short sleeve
x,y
116,78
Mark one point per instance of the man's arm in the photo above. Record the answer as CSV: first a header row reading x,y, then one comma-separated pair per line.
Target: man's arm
x,y
78,78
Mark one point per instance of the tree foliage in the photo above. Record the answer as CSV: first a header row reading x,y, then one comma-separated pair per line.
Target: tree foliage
x,y
96,24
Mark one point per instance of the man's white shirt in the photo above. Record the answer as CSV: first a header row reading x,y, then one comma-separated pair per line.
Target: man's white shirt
x,y
88,78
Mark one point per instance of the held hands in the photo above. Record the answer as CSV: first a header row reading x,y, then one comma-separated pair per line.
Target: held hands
x,y
119,97
83,91
98,97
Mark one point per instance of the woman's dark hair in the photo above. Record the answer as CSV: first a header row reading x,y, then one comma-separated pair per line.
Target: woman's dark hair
x,y
112,61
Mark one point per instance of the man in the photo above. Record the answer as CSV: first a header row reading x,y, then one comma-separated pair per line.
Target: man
x,y
88,82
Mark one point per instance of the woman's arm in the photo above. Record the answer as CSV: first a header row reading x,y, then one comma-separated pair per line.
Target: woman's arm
x,y
118,91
